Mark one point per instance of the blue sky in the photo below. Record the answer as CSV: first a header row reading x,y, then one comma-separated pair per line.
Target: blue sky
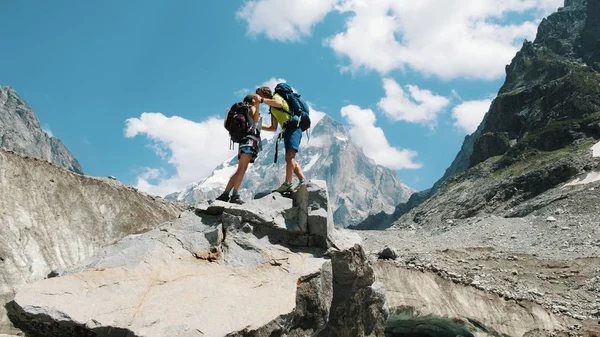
x,y
138,89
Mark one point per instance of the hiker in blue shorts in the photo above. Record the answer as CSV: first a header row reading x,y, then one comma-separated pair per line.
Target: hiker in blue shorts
x,y
280,114
248,151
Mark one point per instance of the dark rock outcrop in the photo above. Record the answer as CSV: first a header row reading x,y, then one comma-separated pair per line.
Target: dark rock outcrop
x,y
21,132
537,132
358,305
551,95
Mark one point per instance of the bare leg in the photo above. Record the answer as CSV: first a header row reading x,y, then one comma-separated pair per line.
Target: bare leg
x,y
238,176
230,183
292,166
298,171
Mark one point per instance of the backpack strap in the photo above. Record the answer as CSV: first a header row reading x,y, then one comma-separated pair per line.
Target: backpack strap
x,y
279,136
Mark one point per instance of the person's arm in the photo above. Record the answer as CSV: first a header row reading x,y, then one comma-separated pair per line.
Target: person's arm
x,y
273,126
225,119
273,102
255,111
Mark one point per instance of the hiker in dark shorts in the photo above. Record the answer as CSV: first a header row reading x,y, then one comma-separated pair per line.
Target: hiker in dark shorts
x,y
291,136
248,151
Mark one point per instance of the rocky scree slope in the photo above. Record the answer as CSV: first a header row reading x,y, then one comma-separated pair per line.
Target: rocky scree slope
x,y
357,185
52,218
20,131
272,267
539,128
546,262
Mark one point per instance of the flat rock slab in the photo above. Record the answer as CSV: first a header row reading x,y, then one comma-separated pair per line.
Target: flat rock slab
x,y
162,283
182,297
272,210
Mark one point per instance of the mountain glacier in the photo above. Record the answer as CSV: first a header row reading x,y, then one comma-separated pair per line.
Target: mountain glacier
x,y
357,185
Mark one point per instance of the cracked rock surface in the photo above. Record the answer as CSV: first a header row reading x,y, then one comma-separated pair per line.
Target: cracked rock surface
x,y
220,270
51,218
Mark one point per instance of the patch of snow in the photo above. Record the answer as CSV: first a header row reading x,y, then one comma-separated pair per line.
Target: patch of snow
x,y
596,150
189,188
343,139
219,177
590,178
316,141
217,180
312,162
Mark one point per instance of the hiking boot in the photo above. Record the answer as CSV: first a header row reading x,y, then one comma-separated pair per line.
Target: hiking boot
x,y
300,184
285,187
223,197
236,199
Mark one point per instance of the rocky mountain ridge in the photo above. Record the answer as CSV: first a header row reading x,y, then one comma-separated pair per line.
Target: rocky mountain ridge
x,y
21,132
539,128
520,216
358,186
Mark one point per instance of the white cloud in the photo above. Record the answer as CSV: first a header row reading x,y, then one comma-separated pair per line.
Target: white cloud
x,y
468,115
243,92
373,141
284,20
416,106
272,83
48,131
194,149
445,38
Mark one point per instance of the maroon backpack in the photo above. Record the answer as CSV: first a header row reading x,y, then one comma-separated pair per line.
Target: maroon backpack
x,y
238,122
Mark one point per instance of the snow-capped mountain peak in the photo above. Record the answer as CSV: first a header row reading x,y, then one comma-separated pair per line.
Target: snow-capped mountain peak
x,y
357,186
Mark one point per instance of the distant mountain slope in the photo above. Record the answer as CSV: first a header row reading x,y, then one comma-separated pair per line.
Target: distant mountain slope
x,y
21,132
358,187
459,164
540,129
550,102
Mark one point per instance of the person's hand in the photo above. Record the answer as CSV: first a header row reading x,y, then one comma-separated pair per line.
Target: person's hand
x,y
258,98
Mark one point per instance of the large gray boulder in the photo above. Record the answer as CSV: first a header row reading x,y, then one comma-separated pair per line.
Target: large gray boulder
x,y
219,270
51,218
